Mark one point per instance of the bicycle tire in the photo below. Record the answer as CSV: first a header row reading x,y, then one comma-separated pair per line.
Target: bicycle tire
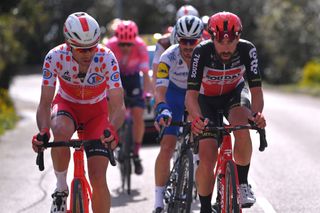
x,y
231,192
125,151
77,197
183,195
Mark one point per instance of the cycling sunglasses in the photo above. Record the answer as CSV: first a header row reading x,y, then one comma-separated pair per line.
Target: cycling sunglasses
x,y
188,41
85,50
125,44
220,35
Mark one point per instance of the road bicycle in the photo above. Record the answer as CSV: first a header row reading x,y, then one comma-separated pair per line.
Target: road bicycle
x,y
125,149
178,192
80,188
228,198
226,174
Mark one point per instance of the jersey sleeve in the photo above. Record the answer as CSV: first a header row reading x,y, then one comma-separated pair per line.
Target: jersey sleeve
x,y
113,72
49,70
157,53
253,75
196,70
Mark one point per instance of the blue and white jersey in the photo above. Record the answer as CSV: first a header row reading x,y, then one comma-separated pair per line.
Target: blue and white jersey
x,y
172,69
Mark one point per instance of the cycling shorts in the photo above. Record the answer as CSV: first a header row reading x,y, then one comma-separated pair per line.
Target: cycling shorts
x,y
90,120
175,99
211,106
133,90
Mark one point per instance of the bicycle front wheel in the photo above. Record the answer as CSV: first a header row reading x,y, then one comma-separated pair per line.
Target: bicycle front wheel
x,y
231,193
183,196
77,197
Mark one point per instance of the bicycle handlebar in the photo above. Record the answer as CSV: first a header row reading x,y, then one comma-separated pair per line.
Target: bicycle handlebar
x,y
227,129
74,143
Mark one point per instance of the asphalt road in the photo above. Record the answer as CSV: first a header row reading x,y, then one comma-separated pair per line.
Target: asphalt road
x,y
285,178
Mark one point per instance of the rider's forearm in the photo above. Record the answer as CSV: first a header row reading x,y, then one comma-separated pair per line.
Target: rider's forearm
x,y
44,108
160,94
256,99
192,104
43,116
116,107
147,82
117,117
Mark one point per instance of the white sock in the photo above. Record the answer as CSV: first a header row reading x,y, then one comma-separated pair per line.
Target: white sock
x,y
61,180
159,196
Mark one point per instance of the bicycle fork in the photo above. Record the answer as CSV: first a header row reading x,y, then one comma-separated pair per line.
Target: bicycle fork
x,y
225,155
79,174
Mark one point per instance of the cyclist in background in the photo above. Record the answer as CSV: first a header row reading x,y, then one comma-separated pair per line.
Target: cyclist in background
x,y
205,34
132,54
169,38
85,70
171,87
216,81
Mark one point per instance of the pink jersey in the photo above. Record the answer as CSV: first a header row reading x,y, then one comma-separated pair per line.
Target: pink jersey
x,y
103,74
137,60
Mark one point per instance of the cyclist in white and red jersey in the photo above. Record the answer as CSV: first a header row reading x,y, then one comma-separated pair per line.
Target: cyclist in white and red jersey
x,y
217,82
85,71
132,54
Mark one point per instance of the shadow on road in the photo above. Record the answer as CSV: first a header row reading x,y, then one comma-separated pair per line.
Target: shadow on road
x,y
120,198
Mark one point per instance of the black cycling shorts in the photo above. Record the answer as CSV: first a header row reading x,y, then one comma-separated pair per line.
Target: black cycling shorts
x,y
213,107
133,90
96,149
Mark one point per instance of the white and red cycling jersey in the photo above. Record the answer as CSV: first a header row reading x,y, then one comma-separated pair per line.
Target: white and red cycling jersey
x,y
136,61
103,74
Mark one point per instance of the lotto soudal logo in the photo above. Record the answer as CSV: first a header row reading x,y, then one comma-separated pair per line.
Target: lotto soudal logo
x,y
195,63
223,77
254,60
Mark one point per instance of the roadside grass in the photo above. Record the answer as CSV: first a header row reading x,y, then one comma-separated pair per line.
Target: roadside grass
x,y
8,115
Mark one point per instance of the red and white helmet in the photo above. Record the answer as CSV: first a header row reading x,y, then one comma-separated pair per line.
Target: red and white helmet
x,y
224,25
81,30
187,10
126,31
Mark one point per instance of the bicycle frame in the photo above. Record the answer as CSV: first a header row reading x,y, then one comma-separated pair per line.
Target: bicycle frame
x,y
79,174
225,155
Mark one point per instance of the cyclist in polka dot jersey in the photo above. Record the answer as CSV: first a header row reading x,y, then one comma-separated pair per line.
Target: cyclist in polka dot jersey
x,y
103,73
86,72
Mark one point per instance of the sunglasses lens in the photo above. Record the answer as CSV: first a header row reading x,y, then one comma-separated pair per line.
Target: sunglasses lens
x,y
125,44
80,50
222,35
185,41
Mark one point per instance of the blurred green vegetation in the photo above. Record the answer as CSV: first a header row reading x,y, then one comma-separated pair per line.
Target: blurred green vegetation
x,y
8,115
285,32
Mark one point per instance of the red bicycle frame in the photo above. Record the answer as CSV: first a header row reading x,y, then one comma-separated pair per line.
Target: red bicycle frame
x,y
225,155
79,173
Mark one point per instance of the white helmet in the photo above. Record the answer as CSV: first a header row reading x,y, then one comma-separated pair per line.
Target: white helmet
x,y
187,10
81,30
189,27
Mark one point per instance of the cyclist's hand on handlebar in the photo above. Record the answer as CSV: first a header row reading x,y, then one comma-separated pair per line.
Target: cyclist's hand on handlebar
x,y
163,115
198,125
163,119
37,143
259,119
113,138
